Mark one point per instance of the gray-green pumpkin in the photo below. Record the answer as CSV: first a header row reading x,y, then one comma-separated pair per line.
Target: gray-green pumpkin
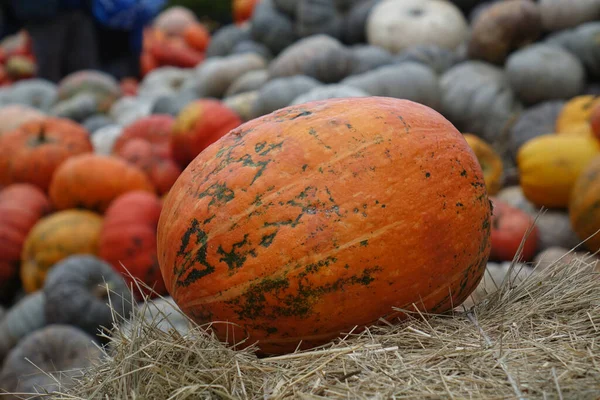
x,y
542,72
226,38
409,80
280,92
438,58
532,122
249,81
329,92
48,360
271,27
36,93
354,22
477,98
242,103
561,14
26,316
367,57
582,41
95,122
250,46
77,108
80,291
318,17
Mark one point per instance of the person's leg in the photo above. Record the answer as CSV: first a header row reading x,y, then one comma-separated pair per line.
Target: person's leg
x,y
48,47
82,45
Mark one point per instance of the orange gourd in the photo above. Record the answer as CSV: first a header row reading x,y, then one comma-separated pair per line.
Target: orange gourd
x,y
584,205
490,161
304,223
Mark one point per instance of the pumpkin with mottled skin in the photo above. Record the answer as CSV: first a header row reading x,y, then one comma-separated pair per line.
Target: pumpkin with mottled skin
x,y
32,153
54,238
288,222
92,181
128,239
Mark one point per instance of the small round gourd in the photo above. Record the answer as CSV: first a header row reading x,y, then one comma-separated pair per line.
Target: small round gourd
x,y
542,72
80,291
532,122
280,92
409,80
502,28
398,24
477,98
48,360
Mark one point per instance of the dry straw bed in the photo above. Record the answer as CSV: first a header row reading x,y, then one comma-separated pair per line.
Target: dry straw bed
x,y
537,339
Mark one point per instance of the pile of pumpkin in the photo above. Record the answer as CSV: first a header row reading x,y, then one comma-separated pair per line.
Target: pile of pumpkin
x,y
84,164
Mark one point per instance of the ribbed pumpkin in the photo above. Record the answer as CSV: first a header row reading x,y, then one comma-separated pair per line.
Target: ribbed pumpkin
x,y
584,206
92,181
162,170
128,238
575,115
303,223
154,129
490,162
32,153
198,125
55,237
550,164
21,206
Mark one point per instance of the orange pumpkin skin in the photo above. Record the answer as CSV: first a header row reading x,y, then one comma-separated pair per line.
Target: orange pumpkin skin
x,y
306,222
584,205
162,170
128,239
198,125
154,129
54,238
595,121
196,36
21,206
243,9
92,181
31,153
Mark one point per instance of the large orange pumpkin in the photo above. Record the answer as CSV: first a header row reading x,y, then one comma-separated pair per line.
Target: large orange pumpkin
x,y
199,124
54,238
128,238
584,205
32,153
306,222
92,181
21,206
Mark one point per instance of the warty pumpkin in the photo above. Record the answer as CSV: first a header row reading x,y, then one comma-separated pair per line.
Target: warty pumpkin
x,y
55,237
33,152
128,239
490,162
21,206
550,164
584,205
92,181
198,125
288,222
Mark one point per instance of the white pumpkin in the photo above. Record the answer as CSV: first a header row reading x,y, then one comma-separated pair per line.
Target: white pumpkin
x,y
104,139
128,109
398,24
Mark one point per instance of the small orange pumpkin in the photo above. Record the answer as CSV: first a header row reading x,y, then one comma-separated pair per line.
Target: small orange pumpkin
x,y
196,36
92,181
490,161
128,239
155,129
32,153
54,238
550,164
198,125
575,115
284,225
584,206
